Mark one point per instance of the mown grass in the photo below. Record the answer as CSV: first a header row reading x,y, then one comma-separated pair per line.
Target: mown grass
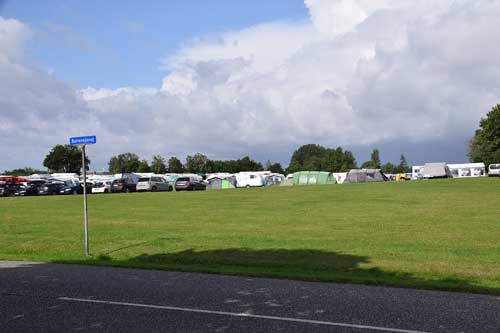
x,y
442,234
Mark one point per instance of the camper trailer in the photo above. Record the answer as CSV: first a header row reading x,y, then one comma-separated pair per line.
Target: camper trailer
x,y
250,179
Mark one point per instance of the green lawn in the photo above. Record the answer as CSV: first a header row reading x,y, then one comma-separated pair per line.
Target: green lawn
x,y
442,234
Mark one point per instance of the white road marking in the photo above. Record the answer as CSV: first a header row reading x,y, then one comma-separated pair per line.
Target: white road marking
x,y
233,314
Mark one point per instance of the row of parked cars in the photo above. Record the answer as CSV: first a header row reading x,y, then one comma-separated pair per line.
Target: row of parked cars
x,y
126,185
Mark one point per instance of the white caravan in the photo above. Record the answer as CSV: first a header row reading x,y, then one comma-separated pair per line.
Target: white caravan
x,y
250,179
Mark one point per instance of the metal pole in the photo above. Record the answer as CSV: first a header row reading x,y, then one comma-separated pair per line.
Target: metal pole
x,y
85,203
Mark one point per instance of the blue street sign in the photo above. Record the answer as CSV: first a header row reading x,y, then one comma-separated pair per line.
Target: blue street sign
x,y
83,140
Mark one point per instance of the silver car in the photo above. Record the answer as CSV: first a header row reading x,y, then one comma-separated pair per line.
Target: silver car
x,y
153,184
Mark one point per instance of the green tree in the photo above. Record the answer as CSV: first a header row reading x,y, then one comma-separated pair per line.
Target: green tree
x,y
196,163
158,164
175,165
143,166
26,171
403,166
268,165
247,164
65,158
276,168
485,145
389,168
374,162
124,163
318,158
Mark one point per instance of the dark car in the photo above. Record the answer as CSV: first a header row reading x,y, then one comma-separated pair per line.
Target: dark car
x,y
72,188
75,188
123,185
25,190
189,184
8,189
51,188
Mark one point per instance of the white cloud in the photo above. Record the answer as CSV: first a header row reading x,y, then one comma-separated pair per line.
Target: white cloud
x,y
359,72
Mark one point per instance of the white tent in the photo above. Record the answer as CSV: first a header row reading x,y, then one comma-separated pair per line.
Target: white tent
x,y
436,170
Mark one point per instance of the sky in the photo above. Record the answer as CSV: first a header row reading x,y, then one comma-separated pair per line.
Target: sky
x,y
235,78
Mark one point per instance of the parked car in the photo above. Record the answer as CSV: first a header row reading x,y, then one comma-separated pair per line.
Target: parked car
x,y
102,187
51,188
38,183
189,184
75,187
25,190
123,185
153,184
8,189
494,170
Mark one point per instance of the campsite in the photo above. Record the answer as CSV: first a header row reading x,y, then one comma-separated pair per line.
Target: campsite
x,y
437,234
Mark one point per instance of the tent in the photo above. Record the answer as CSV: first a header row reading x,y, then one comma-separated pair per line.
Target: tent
x,y
365,176
217,183
313,178
436,170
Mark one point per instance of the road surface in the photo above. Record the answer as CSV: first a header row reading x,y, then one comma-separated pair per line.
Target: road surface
x,y
54,297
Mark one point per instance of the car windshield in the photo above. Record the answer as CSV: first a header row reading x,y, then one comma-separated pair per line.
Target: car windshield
x,y
144,179
183,179
494,166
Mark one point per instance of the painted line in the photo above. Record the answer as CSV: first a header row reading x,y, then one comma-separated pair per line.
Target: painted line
x,y
233,314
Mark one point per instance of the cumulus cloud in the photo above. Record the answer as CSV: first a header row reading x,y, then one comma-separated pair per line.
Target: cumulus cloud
x,y
359,72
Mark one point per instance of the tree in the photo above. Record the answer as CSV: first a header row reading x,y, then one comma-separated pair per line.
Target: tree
x,y
374,162
389,168
124,163
175,165
276,168
403,165
158,164
26,171
268,165
143,166
318,158
196,163
485,145
65,158
247,164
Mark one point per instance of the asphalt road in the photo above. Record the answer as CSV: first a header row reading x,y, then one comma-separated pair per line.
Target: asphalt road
x,y
52,297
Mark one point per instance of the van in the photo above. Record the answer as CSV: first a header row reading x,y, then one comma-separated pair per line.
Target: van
x,y
153,184
494,170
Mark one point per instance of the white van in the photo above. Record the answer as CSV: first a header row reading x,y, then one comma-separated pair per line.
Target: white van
x,y
494,170
249,180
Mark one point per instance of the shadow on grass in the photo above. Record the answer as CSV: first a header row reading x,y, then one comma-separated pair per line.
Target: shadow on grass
x,y
311,265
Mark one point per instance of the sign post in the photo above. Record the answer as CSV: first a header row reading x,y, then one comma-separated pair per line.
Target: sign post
x,y
82,141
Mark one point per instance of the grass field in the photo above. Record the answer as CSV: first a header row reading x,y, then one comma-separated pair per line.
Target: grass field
x,y
442,234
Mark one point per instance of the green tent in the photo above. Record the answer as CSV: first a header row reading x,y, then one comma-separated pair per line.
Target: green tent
x,y
313,178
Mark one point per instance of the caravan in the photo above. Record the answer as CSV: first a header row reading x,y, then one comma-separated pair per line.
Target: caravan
x,y
250,179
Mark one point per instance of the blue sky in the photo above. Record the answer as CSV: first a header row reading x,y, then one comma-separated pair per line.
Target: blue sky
x,y
110,44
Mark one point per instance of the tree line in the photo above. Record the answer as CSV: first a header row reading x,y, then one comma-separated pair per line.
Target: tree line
x,y
483,147
66,158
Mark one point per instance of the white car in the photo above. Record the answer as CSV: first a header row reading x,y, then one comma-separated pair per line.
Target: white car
x,y
102,187
494,170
